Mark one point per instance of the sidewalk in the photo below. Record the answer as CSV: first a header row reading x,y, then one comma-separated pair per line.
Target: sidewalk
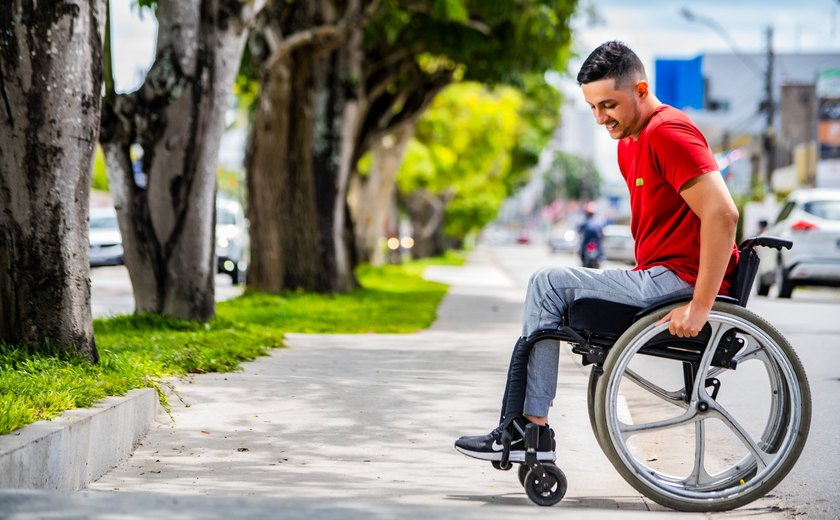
x,y
360,426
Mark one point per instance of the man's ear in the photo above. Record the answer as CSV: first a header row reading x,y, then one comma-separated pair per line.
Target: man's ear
x,y
642,89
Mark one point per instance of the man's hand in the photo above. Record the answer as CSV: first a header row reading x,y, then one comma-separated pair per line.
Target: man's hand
x,y
686,321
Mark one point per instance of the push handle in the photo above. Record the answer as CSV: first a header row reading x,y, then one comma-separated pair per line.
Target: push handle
x,y
765,241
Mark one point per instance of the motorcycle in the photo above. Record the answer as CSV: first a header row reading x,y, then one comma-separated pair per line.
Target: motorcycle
x,y
590,256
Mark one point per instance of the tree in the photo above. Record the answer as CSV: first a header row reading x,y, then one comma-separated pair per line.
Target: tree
x,y
394,57
49,121
456,172
571,177
309,63
165,199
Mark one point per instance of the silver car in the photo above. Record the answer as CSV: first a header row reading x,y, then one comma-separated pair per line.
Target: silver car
x,y
618,244
811,219
105,240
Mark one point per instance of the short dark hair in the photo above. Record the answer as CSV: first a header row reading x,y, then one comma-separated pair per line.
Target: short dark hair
x,y
611,60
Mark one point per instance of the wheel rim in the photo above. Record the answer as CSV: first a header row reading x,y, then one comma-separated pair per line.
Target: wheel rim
x,y
765,451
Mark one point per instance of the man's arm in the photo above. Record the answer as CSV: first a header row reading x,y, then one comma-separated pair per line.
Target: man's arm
x,y
709,198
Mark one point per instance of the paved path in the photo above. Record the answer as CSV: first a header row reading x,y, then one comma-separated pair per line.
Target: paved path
x,y
361,426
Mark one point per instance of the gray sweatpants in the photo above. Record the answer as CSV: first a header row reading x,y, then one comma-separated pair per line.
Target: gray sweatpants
x,y
551,289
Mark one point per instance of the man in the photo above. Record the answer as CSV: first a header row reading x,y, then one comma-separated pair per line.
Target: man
x,y
683,220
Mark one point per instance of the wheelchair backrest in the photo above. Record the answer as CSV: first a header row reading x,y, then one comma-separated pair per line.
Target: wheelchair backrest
x,y
748,264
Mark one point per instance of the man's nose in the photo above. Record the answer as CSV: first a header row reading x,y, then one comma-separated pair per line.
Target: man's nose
x,y
600,116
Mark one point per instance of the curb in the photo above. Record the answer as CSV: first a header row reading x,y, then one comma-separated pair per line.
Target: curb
x,y
75,449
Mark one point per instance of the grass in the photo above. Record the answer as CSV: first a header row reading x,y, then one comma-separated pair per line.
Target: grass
x,y
140,351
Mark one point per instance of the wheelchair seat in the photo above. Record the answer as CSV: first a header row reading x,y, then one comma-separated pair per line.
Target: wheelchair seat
x,y
604,321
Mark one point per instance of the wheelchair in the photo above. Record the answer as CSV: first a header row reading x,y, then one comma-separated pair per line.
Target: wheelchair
x,y
700,424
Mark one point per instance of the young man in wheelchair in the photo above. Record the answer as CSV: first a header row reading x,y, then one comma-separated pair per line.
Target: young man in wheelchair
x,y
683,221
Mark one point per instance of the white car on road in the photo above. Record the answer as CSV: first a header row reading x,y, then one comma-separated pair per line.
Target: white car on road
x,y
811,219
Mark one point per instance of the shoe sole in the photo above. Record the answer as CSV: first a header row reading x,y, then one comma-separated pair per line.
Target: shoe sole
x,y
515,456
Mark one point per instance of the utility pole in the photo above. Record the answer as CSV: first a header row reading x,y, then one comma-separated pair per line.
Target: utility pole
x,y
769,106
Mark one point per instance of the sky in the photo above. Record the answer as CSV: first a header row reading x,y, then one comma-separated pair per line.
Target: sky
x,y
657,29
652,28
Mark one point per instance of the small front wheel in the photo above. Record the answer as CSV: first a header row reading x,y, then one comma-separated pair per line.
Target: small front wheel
x,y
547,487
523,473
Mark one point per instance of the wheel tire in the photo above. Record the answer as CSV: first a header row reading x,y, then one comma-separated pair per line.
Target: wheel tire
x,y
550,493
783,282
522,474
594,377
235,276
730,494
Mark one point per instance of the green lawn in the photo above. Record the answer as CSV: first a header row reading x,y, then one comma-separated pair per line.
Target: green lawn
x,y
138,351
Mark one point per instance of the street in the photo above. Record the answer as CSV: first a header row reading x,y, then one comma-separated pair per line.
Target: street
x,y
110,290
809,322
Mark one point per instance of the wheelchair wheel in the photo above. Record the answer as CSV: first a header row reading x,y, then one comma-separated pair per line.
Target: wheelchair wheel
x,y
545,491
594,376
703,434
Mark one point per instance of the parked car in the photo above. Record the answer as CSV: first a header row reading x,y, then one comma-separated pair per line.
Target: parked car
x,y
104,237
563,240
232,247
811,219
618,245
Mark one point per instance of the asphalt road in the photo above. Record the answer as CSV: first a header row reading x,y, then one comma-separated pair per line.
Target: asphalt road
x,y
809,320
111,293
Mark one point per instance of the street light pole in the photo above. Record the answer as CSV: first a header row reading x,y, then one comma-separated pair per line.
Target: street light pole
x,y
769,137
767,105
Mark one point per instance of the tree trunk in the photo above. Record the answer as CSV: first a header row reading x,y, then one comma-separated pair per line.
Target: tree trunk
x,y
340,90
50,84
301,153
373,195
285,251
426,211
166,212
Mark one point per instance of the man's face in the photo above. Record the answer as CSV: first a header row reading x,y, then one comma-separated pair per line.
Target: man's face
x,y
619,110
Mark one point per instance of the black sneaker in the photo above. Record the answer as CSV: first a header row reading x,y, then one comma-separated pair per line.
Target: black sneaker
x,y
491,446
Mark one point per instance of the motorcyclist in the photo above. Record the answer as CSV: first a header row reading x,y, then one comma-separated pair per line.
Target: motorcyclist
x,y
591,231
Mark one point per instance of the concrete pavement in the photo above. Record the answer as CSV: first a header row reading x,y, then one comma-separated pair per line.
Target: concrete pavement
x,y
361,426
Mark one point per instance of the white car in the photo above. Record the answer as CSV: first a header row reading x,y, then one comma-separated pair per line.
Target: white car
x,y
105,238
232,247
618,244
810,218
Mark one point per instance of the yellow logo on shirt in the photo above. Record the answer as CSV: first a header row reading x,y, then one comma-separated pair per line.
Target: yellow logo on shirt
x,y
640,181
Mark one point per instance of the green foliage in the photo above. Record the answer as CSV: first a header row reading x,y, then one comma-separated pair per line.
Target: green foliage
x,y
231,183
540,116
138,351
99,179
497,41
571,177
479,144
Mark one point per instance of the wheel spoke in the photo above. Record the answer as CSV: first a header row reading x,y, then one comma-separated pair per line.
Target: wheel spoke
x,y
675,398
762,458
718,329
698,474
628,430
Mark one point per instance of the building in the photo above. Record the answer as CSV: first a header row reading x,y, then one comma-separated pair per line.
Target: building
x,y
726,95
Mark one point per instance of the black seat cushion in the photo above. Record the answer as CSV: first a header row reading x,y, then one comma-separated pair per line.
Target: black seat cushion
x,y
610,319
602,317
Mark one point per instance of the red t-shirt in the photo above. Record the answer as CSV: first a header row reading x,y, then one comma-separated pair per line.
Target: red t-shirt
x,y
670,151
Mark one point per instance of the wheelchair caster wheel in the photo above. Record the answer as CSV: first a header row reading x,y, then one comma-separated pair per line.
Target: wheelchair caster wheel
x,y
523,472
498,465
546,487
